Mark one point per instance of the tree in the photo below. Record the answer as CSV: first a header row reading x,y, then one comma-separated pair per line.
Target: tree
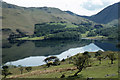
x,y
21,69
63,60
63,76
98,53
111,56
49,63
53,60
28,69
91,33
81,62
56,61
86,53
100,59
5,71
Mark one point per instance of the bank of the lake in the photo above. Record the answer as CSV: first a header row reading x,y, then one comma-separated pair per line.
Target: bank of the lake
x,y
69,69
39,60
45,37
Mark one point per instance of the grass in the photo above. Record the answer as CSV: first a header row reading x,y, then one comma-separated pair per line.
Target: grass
x,y
104,70
94,37
68,25
43,37
101,70
97,37
34,38
85,34
71,26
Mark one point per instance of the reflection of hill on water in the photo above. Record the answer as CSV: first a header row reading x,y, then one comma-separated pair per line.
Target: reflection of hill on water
x,y
22,50
107,45
62,43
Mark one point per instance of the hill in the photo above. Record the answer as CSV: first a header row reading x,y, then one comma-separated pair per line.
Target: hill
x,y
109,14
23,18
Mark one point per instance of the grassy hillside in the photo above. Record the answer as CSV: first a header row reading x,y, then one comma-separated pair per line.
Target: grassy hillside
x,y
96,70
22,18
15,17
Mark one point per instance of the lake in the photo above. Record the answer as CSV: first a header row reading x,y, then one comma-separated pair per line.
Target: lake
x,y
32,53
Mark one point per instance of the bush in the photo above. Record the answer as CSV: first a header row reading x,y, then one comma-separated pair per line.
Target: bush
x,y
28,69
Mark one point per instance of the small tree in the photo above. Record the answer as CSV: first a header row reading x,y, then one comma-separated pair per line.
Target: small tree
x,y
21,69
49,63
63,76
98,53
63,60
5,71
111,56
51,60
100,59
28,69
56,61
87,54
81,62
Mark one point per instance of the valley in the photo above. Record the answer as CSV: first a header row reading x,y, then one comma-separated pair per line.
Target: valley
x,y
46,42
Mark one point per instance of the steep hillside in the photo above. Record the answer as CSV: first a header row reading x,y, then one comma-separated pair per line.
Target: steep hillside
x,y
15,17
109,14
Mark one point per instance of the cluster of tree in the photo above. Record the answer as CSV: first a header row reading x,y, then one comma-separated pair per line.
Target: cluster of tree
x,y
80,29
21,68
65,35
111,33
5,30
112,57
6,71
86,26
46,28
58,31
83,61
99,56
91,34
98,26
19,34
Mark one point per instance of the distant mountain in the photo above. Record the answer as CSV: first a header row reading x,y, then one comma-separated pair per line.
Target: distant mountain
x,y
109,14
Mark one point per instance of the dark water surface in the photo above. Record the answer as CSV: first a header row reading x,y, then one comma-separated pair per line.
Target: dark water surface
x,y
24,49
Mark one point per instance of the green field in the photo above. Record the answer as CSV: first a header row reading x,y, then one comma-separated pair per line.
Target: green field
x,y
34,38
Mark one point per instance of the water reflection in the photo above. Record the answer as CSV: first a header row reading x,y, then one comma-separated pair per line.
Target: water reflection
x,y
25,49
13,51
39,60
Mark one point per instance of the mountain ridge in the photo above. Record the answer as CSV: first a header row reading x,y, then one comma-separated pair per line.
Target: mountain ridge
x,y
108,14
25,18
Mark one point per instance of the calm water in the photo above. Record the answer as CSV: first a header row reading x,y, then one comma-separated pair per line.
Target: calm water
x,y
32,53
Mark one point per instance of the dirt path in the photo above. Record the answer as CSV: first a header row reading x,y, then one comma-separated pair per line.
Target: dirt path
x,y
38,72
